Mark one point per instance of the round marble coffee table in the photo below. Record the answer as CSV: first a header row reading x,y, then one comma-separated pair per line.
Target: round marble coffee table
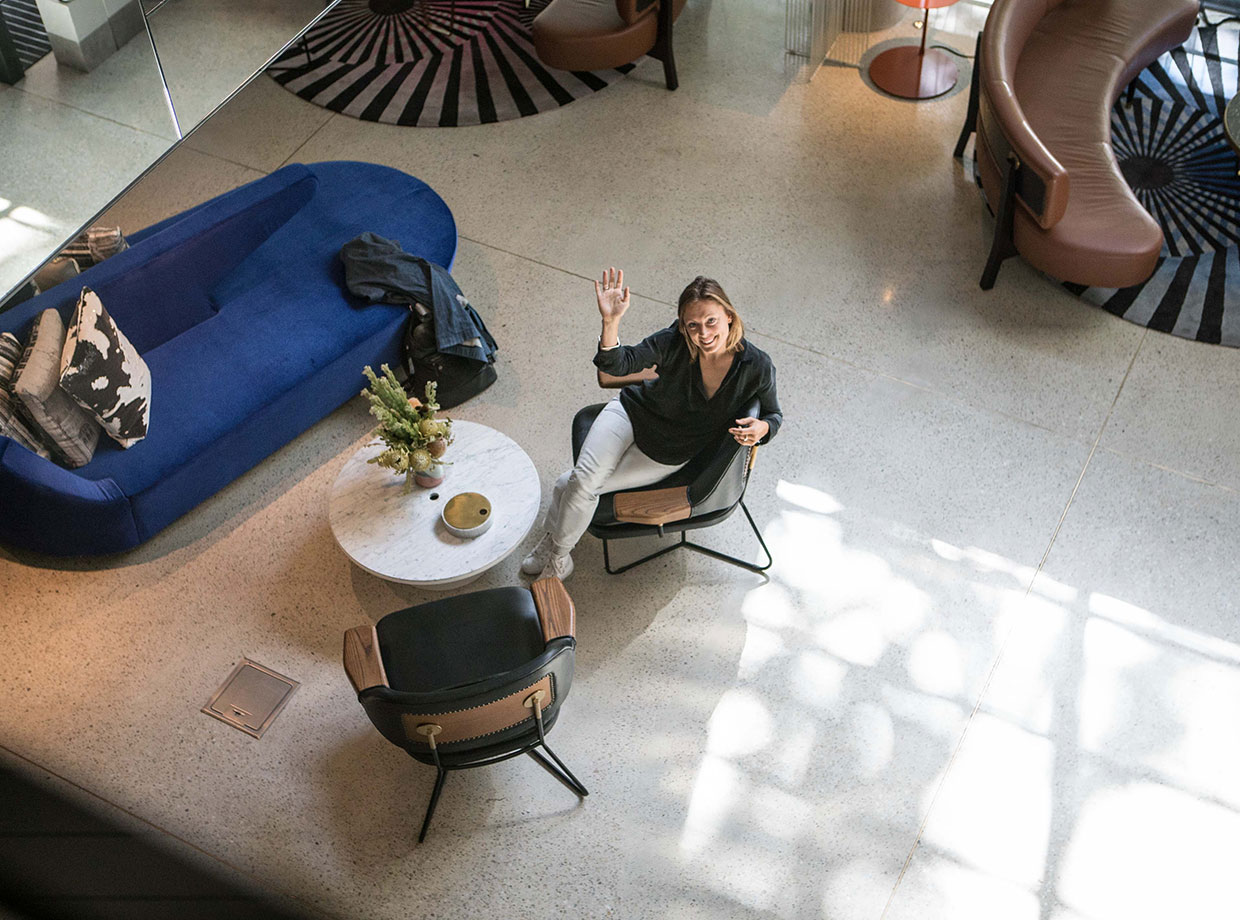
x,y
400,537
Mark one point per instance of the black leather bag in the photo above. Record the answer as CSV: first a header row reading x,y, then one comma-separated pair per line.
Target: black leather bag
x,y
459,378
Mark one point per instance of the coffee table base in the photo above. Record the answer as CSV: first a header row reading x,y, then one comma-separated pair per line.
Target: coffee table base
x,y
905,72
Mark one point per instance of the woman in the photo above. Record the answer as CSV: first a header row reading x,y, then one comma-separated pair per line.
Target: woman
x,y
706,370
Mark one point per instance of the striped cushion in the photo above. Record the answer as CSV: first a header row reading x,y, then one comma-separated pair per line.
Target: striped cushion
x,y
11,423
95,245
105,374
68,430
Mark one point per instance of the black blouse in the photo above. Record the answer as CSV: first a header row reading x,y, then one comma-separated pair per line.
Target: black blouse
x,y
672,418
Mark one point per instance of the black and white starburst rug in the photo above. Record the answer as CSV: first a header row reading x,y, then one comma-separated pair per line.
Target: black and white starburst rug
x,y
431,63
1173,153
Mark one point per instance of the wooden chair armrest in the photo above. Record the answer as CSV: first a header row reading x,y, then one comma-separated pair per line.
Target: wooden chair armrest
x,y
611,382
555,609
362,661
655,506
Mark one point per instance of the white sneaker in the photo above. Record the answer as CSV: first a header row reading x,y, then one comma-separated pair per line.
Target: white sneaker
x,y
559,565
536,561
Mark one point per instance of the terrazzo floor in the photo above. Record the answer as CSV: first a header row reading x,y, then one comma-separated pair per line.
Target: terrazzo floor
x,y
995,672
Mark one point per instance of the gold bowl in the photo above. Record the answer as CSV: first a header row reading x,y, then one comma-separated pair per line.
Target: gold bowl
x,y
467,515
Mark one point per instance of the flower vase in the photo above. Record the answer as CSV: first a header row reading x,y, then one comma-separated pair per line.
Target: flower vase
x,y
430,477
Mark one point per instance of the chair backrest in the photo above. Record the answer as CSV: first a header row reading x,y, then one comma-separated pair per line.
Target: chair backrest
x,y
468,719
721,482
711,482
1042,181
483,719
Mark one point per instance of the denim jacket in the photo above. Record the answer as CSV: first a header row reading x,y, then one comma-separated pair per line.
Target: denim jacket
x,y
378,270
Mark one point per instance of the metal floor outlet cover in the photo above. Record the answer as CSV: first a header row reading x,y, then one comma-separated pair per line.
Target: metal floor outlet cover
x,y
251,697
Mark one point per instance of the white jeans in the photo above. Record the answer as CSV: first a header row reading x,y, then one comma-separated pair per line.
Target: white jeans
x,y
609,461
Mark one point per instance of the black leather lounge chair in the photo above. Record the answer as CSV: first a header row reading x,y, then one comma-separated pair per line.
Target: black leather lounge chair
x,y
701,494
469,680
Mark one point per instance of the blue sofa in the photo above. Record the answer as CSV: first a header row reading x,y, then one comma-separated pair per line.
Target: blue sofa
x,y
239,309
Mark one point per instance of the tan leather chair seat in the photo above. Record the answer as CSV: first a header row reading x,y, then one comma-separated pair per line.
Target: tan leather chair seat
x,y
591,35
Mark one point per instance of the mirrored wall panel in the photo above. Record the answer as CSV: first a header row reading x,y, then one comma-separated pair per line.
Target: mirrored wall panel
x,y
94,92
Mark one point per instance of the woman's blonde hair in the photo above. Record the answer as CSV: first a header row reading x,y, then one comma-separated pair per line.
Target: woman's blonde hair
x,y
702,288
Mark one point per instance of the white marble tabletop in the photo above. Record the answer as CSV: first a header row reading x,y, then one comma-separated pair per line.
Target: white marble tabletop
x,y
400,536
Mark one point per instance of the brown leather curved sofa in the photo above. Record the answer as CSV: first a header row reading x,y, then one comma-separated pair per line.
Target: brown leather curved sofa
x,y
1046,77
598,34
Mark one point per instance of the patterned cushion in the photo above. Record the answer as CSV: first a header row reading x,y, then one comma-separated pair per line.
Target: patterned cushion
x,y
12,425
68,430
105,374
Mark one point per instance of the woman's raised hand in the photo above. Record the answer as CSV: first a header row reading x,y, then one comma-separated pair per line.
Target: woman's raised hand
x,y
613,296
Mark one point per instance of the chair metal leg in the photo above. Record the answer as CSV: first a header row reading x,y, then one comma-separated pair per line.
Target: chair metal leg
x,y
698,548
732,559
440,776
655,555
563,774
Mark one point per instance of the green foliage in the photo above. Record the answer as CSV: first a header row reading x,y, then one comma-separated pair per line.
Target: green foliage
x,y
408,432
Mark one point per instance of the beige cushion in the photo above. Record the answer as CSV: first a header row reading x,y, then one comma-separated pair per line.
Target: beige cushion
x,y
69,431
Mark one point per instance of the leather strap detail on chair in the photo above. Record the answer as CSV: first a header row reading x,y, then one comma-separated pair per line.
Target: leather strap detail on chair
x,y
362,661
655,506
487,719
555,608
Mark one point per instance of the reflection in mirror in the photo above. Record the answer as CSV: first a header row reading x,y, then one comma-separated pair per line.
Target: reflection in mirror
x,y
82,123
69,141
201,69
